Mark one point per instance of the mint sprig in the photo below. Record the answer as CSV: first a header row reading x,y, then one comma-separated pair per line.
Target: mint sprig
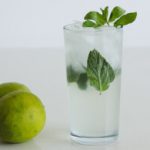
x,y
116,13
117,17
72,75
105,14
82,81
99,71
126,19
89,23
79,78
93,19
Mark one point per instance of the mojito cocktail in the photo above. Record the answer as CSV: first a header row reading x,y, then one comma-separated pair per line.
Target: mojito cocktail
x,y
93,64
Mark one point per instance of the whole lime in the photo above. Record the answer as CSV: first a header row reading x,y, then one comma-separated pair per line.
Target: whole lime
x,y
22,116
8,87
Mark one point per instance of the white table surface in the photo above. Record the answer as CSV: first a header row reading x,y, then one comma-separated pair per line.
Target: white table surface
x,y
43,70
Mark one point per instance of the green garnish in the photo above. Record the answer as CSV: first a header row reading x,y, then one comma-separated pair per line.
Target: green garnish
x,y
82,81
94,17
89,23
72,75
105,14
116,13
79,78
99,71
117,17
126,19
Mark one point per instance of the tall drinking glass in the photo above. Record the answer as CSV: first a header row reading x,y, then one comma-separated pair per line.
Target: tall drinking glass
x,y
94,115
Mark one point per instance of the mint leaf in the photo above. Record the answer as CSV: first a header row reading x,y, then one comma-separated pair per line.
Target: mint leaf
x,y
99,71
96,17
72,75
89,23
126,19
82,81
116,13
105,13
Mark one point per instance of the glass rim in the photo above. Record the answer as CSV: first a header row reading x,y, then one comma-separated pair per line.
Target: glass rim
x,y
87,29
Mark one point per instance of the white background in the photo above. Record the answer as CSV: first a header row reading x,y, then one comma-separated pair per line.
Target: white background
x,y
39,23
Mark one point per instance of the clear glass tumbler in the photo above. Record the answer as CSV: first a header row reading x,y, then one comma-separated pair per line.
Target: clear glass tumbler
x,y
94,115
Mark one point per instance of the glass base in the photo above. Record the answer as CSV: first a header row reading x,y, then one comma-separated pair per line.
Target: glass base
x,y
94,140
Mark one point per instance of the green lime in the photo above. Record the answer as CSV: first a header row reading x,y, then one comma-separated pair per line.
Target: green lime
x,y
8,87
22,116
